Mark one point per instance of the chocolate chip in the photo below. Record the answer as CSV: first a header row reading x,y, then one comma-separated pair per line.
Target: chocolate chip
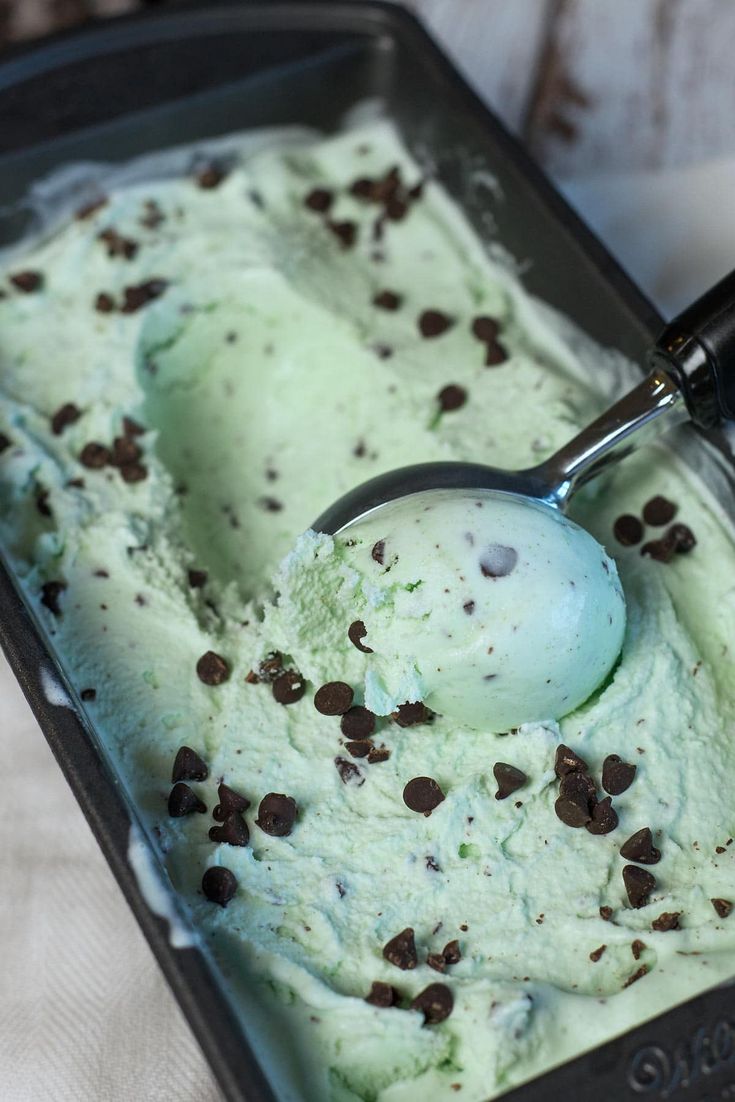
x,y
188,766
640,848
319,200
451,952
469,607
636,948
485,328
132,428
495,354
94,455
577,784
422,794
435,1002
233,831
362,188
662,550
682,537
628,530
334,698
401,950
104,303
356,632
135,297
183,801
604,817
27,282
50,593
378,552
197,578
451,397
277,814
289,687
88,694
358,723
229,801
509,779
432,323
597,953
5,442
133,472
359,749
117,245
723,907
567,761
411,714
65,415
348,772
497,561
606,913
387,300
42,503
212,668
669,920
659,511
574,810
211,176
638,975
639,883
124,451
152,216
270,504
396,209
437,962
219,885
271,668
90,208
617,775
378,754
345,232
382,995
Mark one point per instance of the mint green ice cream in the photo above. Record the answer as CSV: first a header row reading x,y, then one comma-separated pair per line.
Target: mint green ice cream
x,y
274,337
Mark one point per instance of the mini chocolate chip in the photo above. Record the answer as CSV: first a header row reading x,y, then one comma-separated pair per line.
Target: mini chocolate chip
x,y
669,920
188,766
628,530
597,953
411,714
117,245
422,794
65,415
319,200
42,503
432,323
659,511
88,694
345,232
152,216
359,749
378,552
640,848
497,561
382,995
606,913
219,885
197,578
94,455
50,593
509,779
387,300
451,397
437,962
212,668
604,817
378,754
229,801
356,632
348,772
211,176
617,775
435,1002
270,504
639,883
277,814
183,801
358,722
469,607
135,297
636,948
495,354
104,303
27,282
682,537
723,907
567,761
334,698
573,810
401,950
232,832
133,472
289,687
451,952
485,328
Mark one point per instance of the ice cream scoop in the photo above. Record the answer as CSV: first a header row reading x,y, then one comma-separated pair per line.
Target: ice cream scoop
x,y
547,624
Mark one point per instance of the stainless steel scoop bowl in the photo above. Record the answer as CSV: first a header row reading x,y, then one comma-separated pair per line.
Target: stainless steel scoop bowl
x,y
692,377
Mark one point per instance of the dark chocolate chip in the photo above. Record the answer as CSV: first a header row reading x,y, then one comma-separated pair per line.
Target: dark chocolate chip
x,y
597,953
135,297
117,245
606,913
662,550
50,593
152,216
723,907
277,814
628,530
288,687
88,694
638,975
387,300
94,455
640,848
451,397
65,415
232,832
104,303
378,754
485,328
509,779
359,749
132,428
432,323
437,962
495,354
197,578
669,920
212,668
345,232
577,784
411,714
42,503
219,885
422,794
188,766
682,537
451,952
639,883
270,504
574,810
636,948
659,511
382,995
617,775
183,800
469,607
362,188
5,442
27,282
90,208
358,722
271,667
356,632
133,472
124,451
435,1002
604,817
567,761
497,561
319,200
378,552
211,176
396,209
334,698
229,801
401,950
348,771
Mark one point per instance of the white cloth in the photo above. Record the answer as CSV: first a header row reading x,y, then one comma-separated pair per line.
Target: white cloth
x,y
85,1014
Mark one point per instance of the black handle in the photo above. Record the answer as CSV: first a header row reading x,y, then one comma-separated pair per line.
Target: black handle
x,y
698,348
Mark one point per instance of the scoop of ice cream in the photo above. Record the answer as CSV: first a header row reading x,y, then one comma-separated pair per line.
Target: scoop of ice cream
x,y
491,609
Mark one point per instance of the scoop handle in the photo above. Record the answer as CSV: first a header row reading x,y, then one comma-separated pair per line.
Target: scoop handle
x,y
697,347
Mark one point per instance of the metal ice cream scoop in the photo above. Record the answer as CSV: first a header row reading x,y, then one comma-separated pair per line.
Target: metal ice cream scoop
x,y
692,377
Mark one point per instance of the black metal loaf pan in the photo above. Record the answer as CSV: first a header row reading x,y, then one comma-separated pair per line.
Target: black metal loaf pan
x,y
137,84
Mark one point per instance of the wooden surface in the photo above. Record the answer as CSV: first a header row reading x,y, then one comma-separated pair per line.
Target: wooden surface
x,y
590,85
